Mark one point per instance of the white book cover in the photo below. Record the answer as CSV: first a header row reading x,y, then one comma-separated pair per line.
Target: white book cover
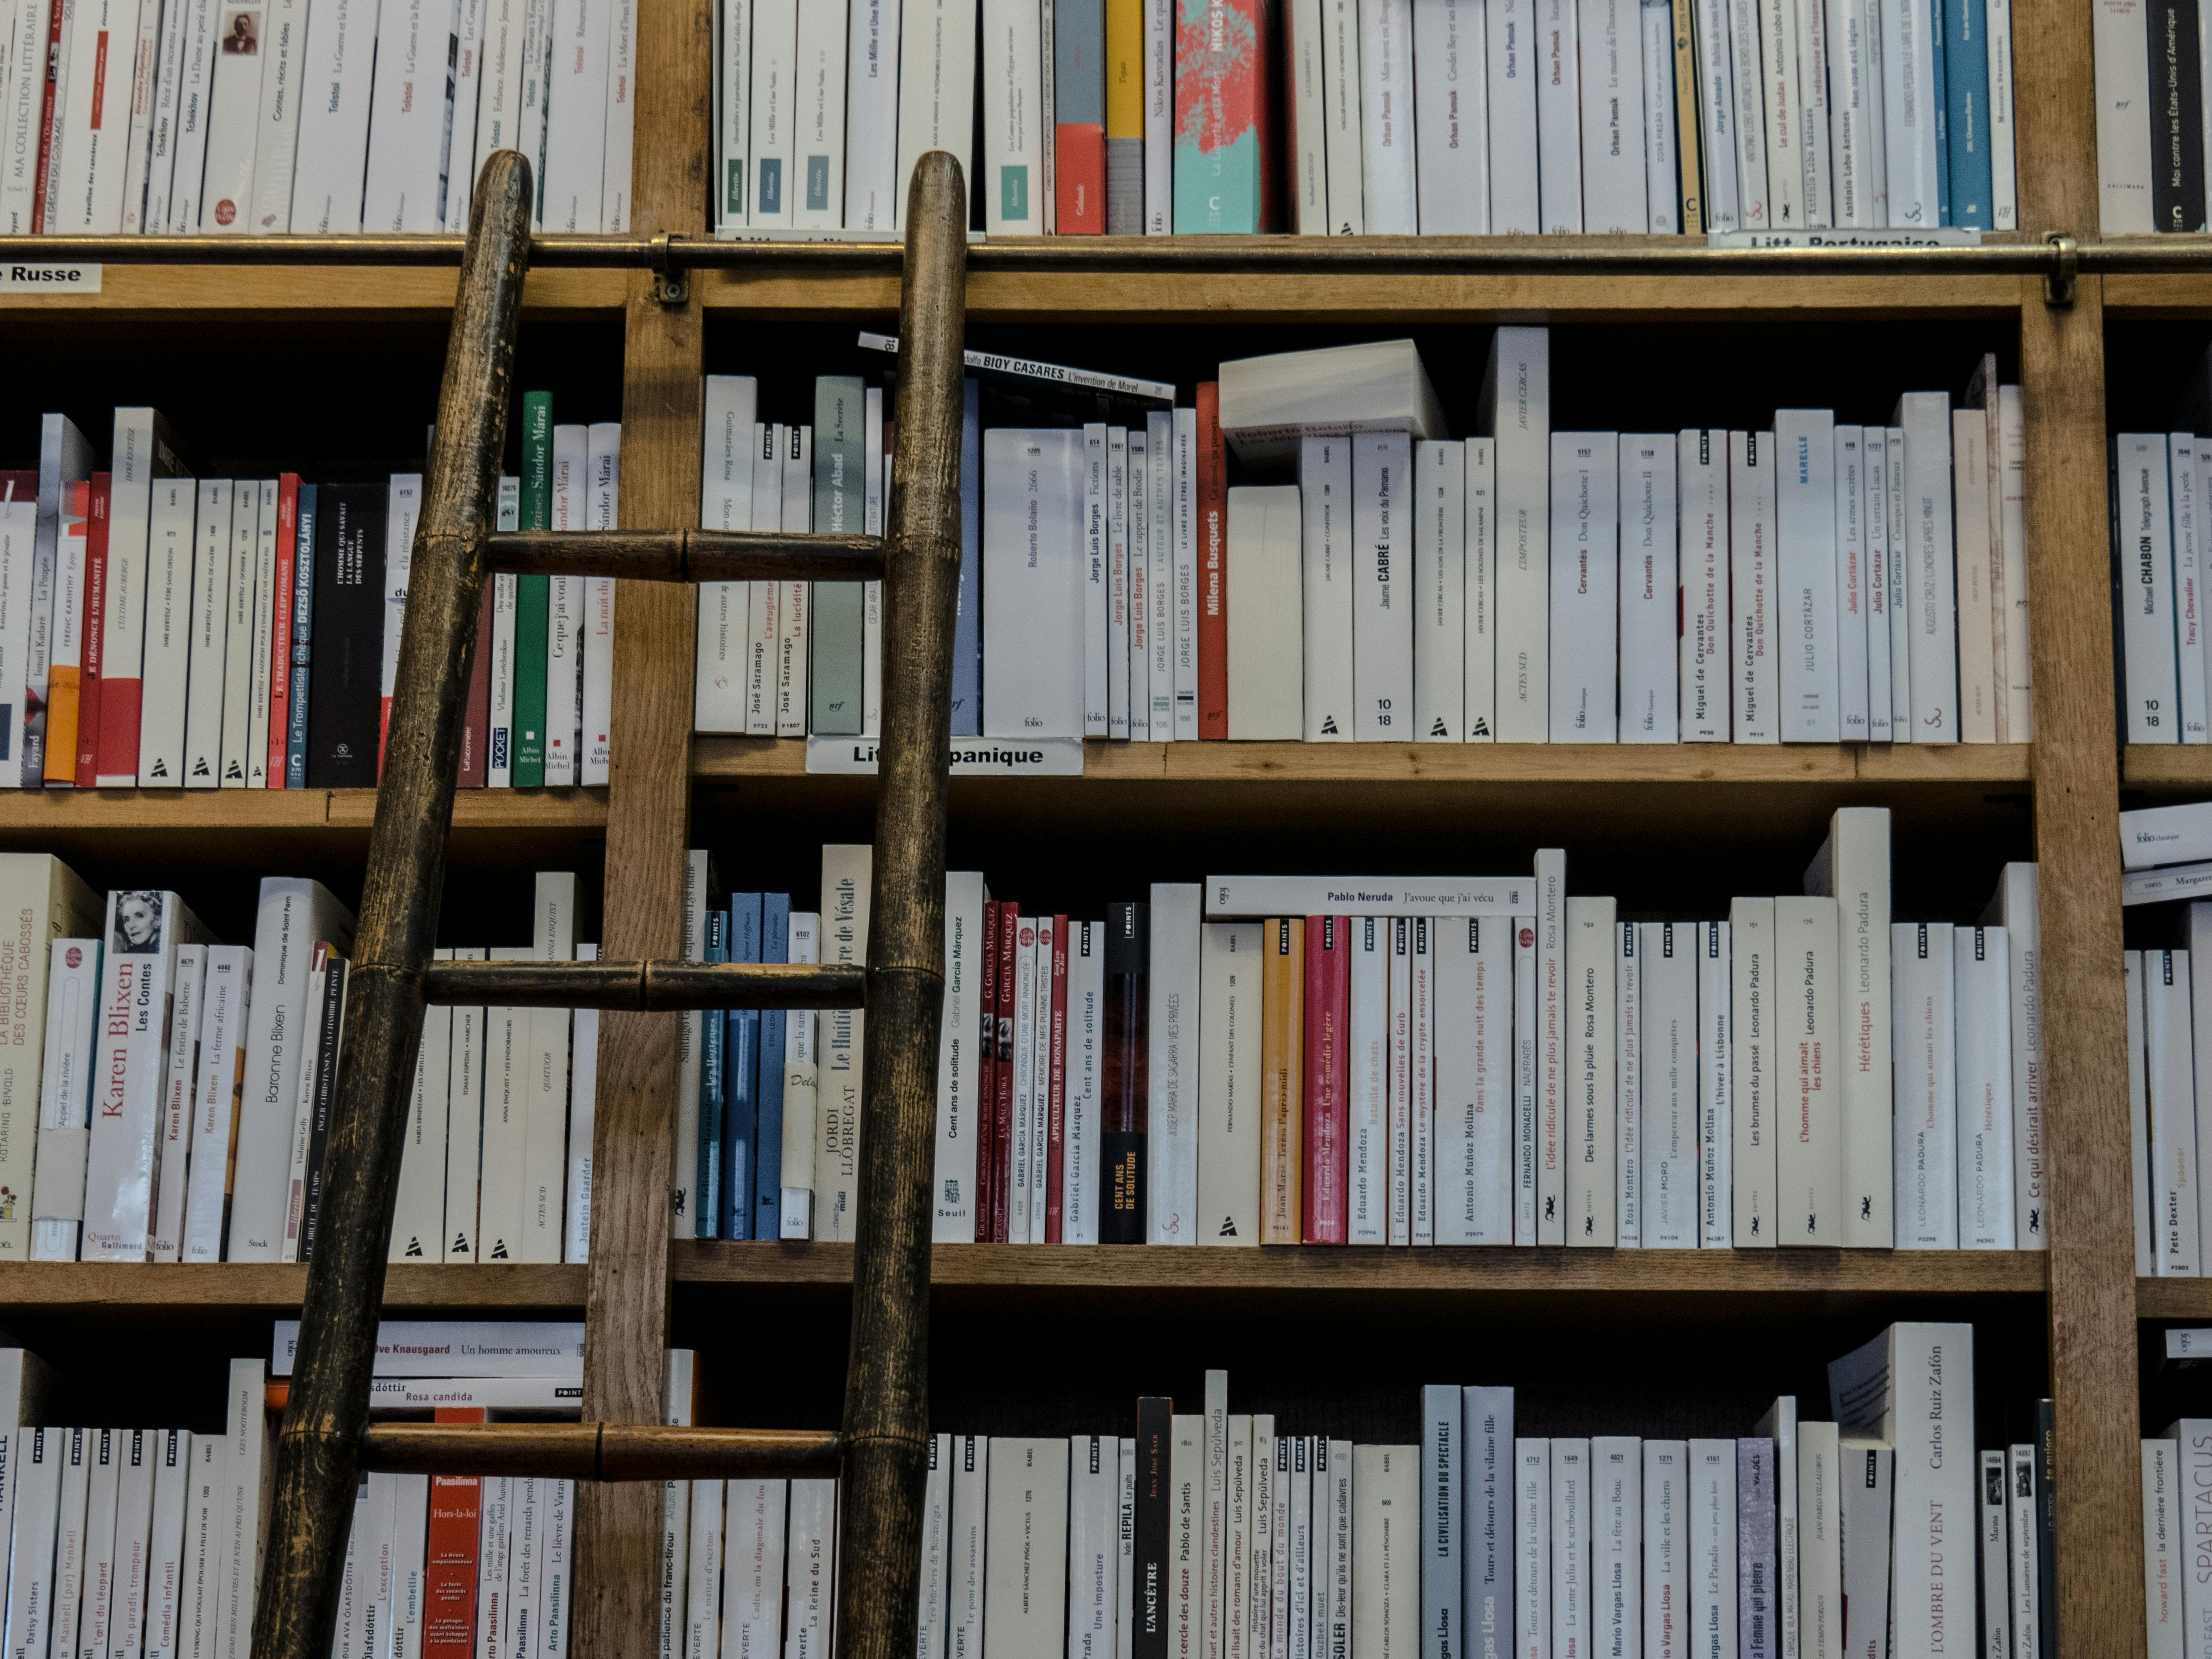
x,y
1024,1586
410,117
1666,1533
1591,1073
1033,634
618,147
1807,986
1981,978
1571,1527
1532,1549
1922,956
510,28
1819,1543
734,82
1106,489
172,545
465,1100
1754,1064
1387,123
1094,1555
164,1593
2014,906
1913,110
1712,1534
1558,116
1585,586
571,193
1014,141
583,1111
1510,29
1229,1083
1931,614
1616,1503
1628,1086
1325,557
1663,166
1551,1062
1172,1143
1479,630
2163,1584
1850,586
180,1053
295,915
726,490
937,89
1804,572
1438,597
1475,1093
1979,688
1788,120
602,502
1381,611
1341,112
1755,670
1451,115
1615,197
1855,114
775,113
65,1099
953,1184
418,1216
284,63
238,632
1128,533
1182,541
468,95
1852,867
1879,584
1516,409
1082,1186
2012,510
818,157
1667,1090
1706,616
225,984
92,108
1815,119
871,116
1650,589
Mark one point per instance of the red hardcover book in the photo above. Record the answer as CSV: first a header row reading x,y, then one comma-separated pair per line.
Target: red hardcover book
x,y
1079,178
987,1092
1212,567
55,16
280,631
96,602
1057,1092
1328,1075
451,1540
476,714
1002,1125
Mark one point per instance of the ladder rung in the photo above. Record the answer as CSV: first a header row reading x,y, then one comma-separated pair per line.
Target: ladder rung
x,y
599,1451
647,987
686,555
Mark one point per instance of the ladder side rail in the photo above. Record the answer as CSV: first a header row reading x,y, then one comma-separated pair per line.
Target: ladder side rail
x,y
886,1421
317,1449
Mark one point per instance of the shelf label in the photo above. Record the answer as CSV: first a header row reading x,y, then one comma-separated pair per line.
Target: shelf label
x,y
972,757
1944,236
48,279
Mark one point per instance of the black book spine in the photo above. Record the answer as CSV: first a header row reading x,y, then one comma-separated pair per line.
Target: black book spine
x,y
344,716
330,1029
2046,1532
2176,117
1127,1072
1149,1594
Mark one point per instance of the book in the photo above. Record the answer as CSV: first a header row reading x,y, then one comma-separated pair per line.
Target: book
x,y
1809,1181
1387,1588
1514,409
1033,634
1531,1548
1755,1051
73,988
1282,1082
1649,589
1926,1069
1224,133
1265,699
1865,1527
1172,1116
41,900
1235,897
1585,608
1591,1072
1231,970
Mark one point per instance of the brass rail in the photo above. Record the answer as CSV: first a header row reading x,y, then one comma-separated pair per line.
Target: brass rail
x,y
599,1451
643,986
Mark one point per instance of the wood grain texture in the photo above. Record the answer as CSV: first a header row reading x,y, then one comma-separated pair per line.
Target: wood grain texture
x,y
689,555
642,987
202,294
2173,1298
126,1288
592,1450
649,828
66,811
2166,766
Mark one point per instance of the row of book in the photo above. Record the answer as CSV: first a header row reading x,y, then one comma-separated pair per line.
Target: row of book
x,y
2161,548
263,116
1822,581
1377,116
167,631
1284,1060
185,1087
1219,1532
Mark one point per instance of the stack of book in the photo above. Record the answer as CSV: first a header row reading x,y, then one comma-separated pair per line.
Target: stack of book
x,y
1220,1531
1285,1059
1387,118
166,631
1823,581
263,116
184,1102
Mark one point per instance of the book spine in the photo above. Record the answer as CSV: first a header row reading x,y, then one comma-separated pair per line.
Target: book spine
x,y
90,707
532,598
1371,1073
1282,1153
1649,590
1982,976
1805,572
1399,1110
1438,522
1383,622
1013,94
1552,1059
283,600
1172,1119
1558,116
1752,1064
1632,1109
1585,562
1203,600
1809,1179
1928,565
1055,1040
1444,1475
1613,134
1533,1577
1327,1078
1591,1072
260,641
181,1048
1078,46
1386,122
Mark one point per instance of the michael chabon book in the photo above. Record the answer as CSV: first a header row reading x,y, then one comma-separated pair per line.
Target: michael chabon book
x,y
42,899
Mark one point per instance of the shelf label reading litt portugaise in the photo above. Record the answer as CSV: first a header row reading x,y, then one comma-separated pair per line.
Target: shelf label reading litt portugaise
x,y
48,279
1942,236
972,757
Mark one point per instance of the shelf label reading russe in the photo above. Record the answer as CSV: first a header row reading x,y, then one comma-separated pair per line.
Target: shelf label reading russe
x,y
48,279
972,757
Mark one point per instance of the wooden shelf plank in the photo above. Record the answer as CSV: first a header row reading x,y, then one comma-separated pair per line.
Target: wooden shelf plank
x,y
110,1287
2165,766
27,814
1323,1270
247,293
1503,762
2173,1298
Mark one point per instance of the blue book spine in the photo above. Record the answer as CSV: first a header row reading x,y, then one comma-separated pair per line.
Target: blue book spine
x,y
1940,80
968,627
1485,1510
768,1148
710,1095
1758,1601
1443,1476
303,616
740,1072
1966,111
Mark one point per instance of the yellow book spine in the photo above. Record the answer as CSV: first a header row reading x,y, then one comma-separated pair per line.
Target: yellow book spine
x,y
1282,1092
1125,69
61,724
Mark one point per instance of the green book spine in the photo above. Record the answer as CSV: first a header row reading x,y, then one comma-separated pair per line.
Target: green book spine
x,y
532,595
834,627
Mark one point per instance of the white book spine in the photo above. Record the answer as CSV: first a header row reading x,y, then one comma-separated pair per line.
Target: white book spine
x,y
1754,669
1628,1125
1981,982
411,112
1706,618
1979,648
1516,403
225,985
2143,511
1585,586
1756,191
1382,624
1716,116
1814,117
1526,1112
819,163
1851,584
1753,1066
1341,89
1932,613
1807,986
24,65
1712,1562
464,1105
1615,197
238,631
180,1067
774,113
871,115
1399,1109
468,95
418,1219
1912,109
1592,1072
1662,177
137,157
1669,1169
1095,538
1617,1545
1922,956
1900,641
1013,140
264,625
2020,914
1438,596
1200,543
1172,1143
1480,629
1532,1532
284,53
1874,516
1552,1060
172,545
1387,125
1474,1076
145,930
1806,572
1559,158
595,756
2011,506
1666,1580
1326,551
1650,585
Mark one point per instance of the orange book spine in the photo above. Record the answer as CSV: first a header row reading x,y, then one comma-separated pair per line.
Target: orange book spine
x,y
1282,1083
62,676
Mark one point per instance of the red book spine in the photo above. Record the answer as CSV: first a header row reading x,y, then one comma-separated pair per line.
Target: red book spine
x,y
1327,1080
95,604
1079,178
1056,1099
1002,1127
451,1540
55,16
280,632
987,1093
475,714
1212,567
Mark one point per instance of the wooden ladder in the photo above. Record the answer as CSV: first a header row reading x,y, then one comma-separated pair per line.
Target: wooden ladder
x,y
881,1450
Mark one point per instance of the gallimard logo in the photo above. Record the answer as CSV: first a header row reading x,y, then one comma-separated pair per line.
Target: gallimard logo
x,y
79,279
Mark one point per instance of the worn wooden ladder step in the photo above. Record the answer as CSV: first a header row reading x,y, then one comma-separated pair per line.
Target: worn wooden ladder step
x,y
656,986
686,555
600,1451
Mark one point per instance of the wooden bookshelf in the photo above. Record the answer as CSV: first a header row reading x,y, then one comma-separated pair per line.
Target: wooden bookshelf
x,y
2078,1305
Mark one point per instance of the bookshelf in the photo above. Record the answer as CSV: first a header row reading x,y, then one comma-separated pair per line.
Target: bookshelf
x,y
2067,1319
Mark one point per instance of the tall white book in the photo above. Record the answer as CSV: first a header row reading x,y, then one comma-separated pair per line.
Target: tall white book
x,y
145,451
1547,983
571,196
1805,571
847,889
1716,1085
1615,194
818,154
2150,678
1712,1563
1266,697
1172,1143
65,1098
1386,122
41,900
1381,608
1922,956
92,111
1754,667
1585,588
1229,1081
2169,1065
1931,614
952,1217
410,117
1013,159
1755,188
1650,589
1628,1086
1852,867
1514,408
1451,115
1982,976
937,89
775,102
1881,579
2014,907
1755,1049
1326,590
1913,112
872,92
1032,508
174,1128
1438,594
1592,932
1475,1078
1531,1547
468,95
1515,203
1703,555
276,146
1479,678
1851,585
1559,115
1666,1547
1980,688
618,148
1809,1180
1668,1087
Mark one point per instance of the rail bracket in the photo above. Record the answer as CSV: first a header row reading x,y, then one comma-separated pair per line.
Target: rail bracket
x,y
2058,282
671,282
